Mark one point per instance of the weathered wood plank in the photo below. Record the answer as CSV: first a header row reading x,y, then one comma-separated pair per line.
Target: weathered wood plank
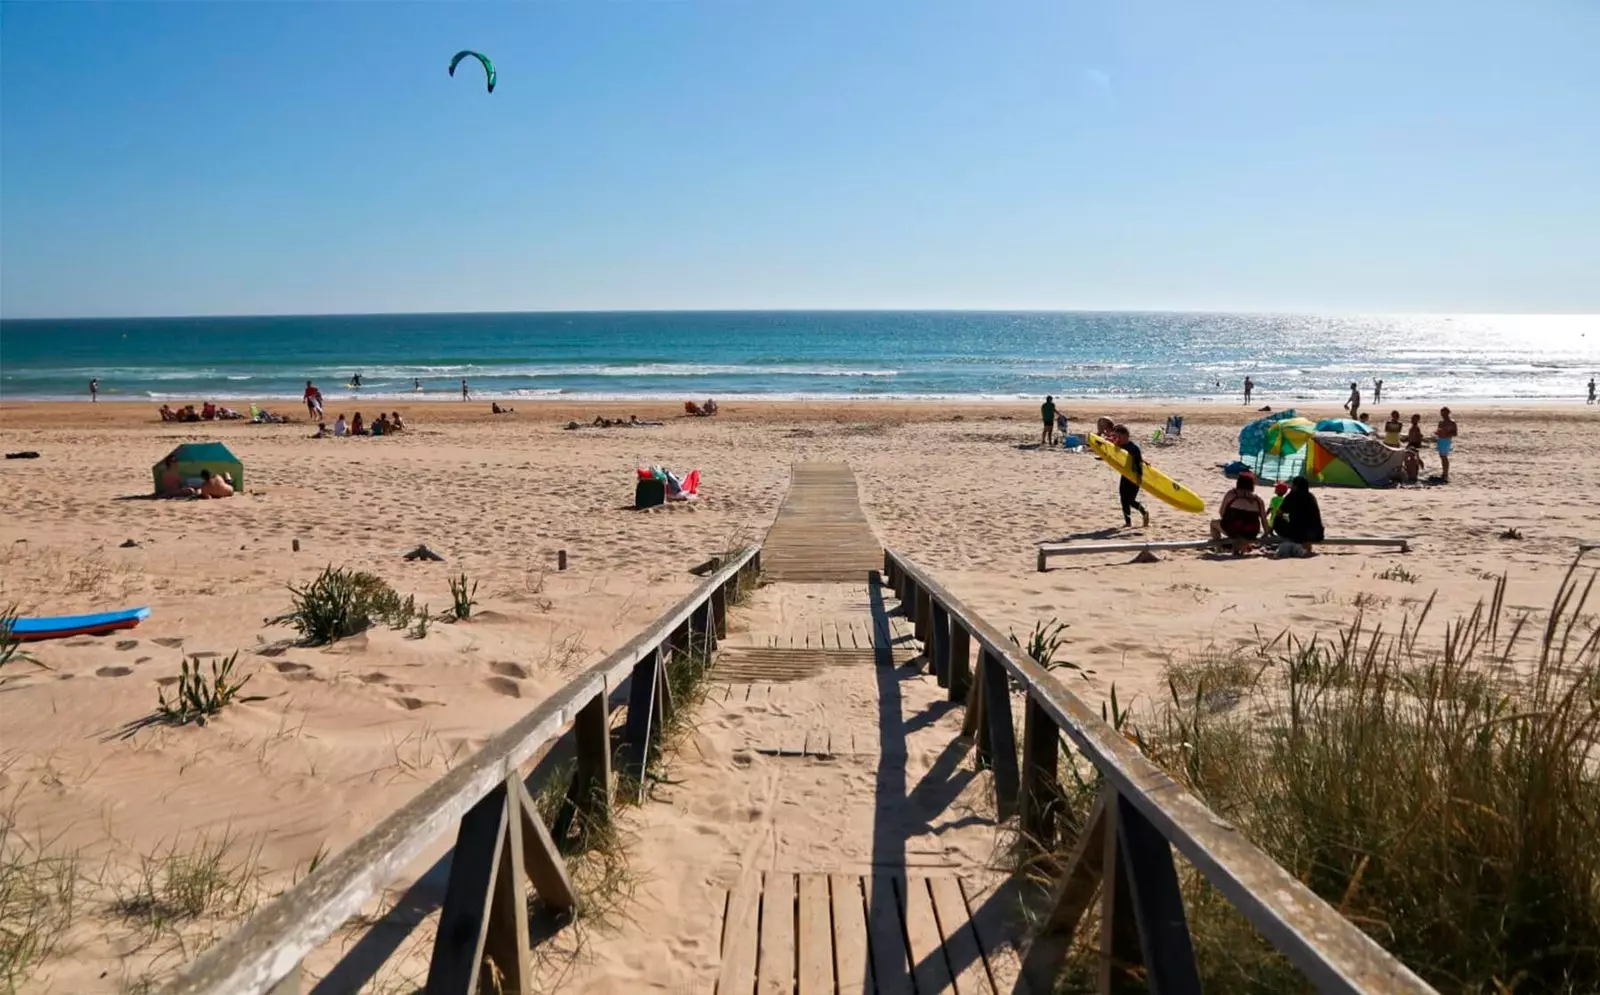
x,y
928,967
1074,893
1169,959
1041,794
741,939
1120,956
643,720
815,936
506,935
469,894
541,858
1048,550
850,936
886,938
960,943
960,660
776,973
1002,736
1333,953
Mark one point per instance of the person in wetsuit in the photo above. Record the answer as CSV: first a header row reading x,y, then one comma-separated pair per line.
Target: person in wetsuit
x,y
1127,489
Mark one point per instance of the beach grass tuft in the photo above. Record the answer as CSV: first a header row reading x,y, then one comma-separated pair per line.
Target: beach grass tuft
x,y
197,698
39,901
212,880
462,593
1442,795
11,650
340,603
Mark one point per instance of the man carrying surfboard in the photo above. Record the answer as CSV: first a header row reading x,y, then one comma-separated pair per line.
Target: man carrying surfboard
x,y
1127,489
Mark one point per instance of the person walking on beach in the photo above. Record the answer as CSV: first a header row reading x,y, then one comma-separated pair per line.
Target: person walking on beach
x,y
1128,490
1047,411
1377,391
465,394
1354,404
1249,388
94,390
1446,434
1591,390
313,399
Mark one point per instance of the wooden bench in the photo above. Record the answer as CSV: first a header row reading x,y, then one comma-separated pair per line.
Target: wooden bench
x,y
1047,550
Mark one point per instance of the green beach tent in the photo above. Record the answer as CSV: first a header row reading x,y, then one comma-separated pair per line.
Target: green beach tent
x,y
182,467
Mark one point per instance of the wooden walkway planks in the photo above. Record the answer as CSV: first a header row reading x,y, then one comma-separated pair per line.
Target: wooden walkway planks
x,y
820,535
849,933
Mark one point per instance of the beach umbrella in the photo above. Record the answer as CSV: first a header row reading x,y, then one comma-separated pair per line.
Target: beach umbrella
x,y
1289,435
1344,426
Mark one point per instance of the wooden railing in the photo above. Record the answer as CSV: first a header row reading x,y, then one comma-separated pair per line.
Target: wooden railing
x,y
501,842
1125,849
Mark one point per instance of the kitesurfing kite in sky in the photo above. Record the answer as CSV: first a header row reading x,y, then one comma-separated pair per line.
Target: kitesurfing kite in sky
x,y
488,67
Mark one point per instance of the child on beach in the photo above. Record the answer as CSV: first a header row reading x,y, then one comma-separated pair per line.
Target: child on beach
x,y
1414,433
1392,429
1047,411
1128,490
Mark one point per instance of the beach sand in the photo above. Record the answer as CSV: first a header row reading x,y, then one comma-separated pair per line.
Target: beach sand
x,y
334,738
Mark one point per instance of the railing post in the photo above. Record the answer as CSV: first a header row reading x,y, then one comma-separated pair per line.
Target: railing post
x,y
924,618
973,723
1145,858
589,795
960,660
1041,794
719,608
642,711
1002,736
940,649
1119,932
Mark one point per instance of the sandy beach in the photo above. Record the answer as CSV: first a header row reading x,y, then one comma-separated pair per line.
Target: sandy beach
x,y
336,737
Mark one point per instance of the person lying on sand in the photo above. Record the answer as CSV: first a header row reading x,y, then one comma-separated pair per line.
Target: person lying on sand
x,y
215,485
496,409
1243,516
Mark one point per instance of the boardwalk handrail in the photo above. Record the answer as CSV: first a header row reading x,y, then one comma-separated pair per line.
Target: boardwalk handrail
x,y
267,950
1327,948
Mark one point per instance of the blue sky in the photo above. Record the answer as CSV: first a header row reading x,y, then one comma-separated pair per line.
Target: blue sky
x,y
1346,155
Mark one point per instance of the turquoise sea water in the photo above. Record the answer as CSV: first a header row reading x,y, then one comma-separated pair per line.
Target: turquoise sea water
x,y
675,355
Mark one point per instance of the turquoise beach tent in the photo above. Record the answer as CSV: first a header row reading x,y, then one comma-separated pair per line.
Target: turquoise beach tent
x,y
182,467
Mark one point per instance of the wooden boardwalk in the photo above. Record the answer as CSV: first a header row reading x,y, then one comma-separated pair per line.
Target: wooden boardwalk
x,y
821,535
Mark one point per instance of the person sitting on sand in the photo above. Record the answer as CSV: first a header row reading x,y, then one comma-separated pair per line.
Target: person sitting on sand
x,y
1243,516
380,427
357,426
395,424
1414,433
1412,464
215,485
1299,519
167,414
340,427
495,408
1392,429
710,407
188,413
322,430
209,412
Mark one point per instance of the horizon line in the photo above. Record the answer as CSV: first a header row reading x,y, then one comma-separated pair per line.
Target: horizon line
x,y
1327,312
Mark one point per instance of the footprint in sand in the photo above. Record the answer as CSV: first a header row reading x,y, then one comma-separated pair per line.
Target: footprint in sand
x,y
170,642
287,667
507,669
127,644
113,672
412,704
376,677
503,685
165,682
143,659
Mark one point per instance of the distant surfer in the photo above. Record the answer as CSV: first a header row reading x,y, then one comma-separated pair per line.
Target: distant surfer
x,y
1249,388
94,390
416,385
355,379
1047,411
1127,489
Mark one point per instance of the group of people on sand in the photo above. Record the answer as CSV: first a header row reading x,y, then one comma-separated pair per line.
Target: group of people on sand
x,y
210,411
211,485
1294,516
1444,436
386,424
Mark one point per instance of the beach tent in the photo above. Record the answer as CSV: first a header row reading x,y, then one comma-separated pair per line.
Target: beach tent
x,y
1344,426
1340,460
182,467
1253,438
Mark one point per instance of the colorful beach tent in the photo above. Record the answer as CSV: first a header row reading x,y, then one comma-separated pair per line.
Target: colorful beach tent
x,y
1353,461
182,467
1288,435
1253,437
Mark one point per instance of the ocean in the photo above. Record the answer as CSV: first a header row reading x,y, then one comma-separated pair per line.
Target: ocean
x,y
794,354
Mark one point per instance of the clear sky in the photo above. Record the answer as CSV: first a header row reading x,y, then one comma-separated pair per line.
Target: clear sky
x,y
1347,155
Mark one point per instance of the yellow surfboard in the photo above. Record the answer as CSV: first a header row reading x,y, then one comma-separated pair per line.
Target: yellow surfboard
x,y
1157,483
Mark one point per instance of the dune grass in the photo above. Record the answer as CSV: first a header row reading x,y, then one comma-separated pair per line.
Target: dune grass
x,y
1444,795
39,900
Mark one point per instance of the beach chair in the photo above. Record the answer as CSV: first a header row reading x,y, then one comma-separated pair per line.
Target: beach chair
x,y
1171,432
